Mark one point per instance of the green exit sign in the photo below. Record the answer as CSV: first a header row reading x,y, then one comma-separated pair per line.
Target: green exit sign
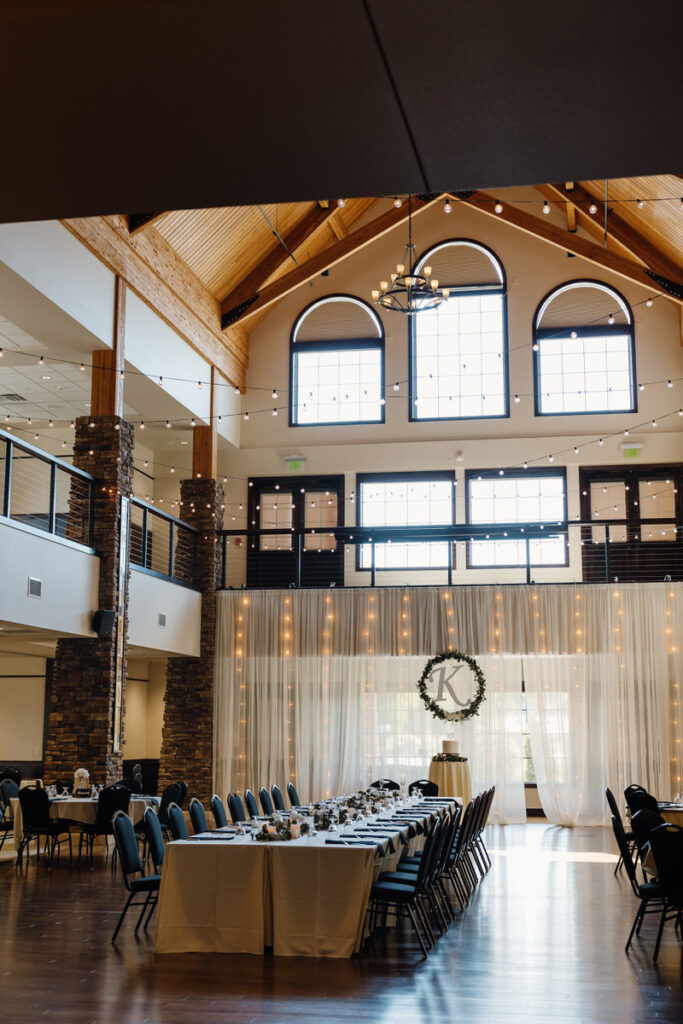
x,y
631,453
295,465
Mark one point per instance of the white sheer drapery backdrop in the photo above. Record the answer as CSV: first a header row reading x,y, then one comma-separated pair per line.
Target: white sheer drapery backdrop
x,y
320,687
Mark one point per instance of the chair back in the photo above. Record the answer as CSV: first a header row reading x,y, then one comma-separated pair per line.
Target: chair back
x,y
622,843
250,804
643,823
9,790
613,805
384,784
430,851
176,822
667,847
266,802
127,846
638,799
13,774
35,809
293,795
63,784
136,773
132,785
198,816
112,799
236,808
219,815
426,787
183,792
155,838
449,839
171,795
278,799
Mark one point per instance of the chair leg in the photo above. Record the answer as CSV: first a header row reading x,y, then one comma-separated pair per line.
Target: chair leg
x,y
636,924
142,912
411,914
662,921
153,907
123,914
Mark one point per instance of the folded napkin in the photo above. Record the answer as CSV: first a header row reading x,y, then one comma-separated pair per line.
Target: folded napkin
x,y
206,838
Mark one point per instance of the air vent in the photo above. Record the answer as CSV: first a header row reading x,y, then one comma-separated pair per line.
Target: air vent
x,y
162,620
35,587
12,397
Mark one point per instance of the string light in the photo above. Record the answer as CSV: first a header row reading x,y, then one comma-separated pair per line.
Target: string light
x,y
640,203
498,207
592,208
398,202
341,203
274,393
82,367
245,416
546,208
447,206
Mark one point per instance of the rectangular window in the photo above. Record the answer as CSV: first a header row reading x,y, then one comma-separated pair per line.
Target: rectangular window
x,y
400,500
589,373
276,511
657,500
320,514
337,383
459,359
608,501
516,498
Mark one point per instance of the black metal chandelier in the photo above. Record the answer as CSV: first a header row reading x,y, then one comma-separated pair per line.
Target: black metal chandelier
x,y
409,291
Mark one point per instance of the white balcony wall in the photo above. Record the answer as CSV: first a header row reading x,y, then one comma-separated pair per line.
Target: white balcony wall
x,y
150,597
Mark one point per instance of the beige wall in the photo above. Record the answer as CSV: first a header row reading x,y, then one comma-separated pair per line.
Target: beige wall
x,y
148,597
22,704
145,686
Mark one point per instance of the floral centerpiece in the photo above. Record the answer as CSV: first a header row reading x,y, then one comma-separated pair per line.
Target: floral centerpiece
x,y
275,830
81,782
457,758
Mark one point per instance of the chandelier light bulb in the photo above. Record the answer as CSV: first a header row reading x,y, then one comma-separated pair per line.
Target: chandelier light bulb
x,y
400,268
427,271
375,294
383,285
546,208
498,207
447,206
592,208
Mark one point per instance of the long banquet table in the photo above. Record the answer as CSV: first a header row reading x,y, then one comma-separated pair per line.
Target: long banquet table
x,y
223,892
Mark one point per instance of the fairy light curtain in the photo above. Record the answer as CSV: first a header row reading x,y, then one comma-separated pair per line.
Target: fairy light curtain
x,y
320,687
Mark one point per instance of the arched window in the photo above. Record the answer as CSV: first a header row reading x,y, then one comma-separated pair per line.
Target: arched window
x,y
458,351
584,351
337,363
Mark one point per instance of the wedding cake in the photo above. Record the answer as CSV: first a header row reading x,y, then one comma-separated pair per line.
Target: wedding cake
x,y
449,746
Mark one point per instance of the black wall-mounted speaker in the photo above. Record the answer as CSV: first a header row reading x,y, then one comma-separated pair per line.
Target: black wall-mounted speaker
x,y
103,622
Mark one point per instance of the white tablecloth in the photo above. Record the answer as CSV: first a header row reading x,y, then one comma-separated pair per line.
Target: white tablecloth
x,y
303,898
79,809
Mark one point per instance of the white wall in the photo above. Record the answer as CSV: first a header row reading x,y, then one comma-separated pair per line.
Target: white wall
x,y
149,596
22,699
69,576
145,687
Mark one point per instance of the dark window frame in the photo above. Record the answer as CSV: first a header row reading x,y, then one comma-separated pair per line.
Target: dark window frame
x,y
400,476
464,291
331,345
539,334
257,485
534,471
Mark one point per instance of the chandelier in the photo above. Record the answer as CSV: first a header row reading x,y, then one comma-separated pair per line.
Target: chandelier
x,y
409,291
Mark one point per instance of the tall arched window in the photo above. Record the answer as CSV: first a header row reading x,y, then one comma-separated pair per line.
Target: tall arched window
x,y
458,351
337,363
584,351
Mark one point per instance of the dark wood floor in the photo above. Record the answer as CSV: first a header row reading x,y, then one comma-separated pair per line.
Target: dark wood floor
x,y
542,941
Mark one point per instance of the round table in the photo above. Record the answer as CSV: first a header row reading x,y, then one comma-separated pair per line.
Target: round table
x,y
452,778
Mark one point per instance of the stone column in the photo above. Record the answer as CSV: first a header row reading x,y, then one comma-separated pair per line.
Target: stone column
x,y
83,699
187,737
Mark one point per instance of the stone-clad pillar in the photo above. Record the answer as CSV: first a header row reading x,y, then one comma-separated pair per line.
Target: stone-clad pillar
x,y
187,737
83,701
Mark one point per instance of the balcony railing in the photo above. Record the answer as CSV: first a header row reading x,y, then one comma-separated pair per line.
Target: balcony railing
x,y
570,551
44,493
162,545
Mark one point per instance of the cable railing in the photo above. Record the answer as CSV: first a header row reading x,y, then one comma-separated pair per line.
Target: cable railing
x,y
162,545
44,493
570,551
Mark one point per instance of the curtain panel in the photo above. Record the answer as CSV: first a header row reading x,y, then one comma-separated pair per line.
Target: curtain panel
x,y
319,687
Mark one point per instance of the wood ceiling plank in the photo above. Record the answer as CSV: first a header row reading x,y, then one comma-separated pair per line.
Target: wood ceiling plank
x,y
569,242
333,254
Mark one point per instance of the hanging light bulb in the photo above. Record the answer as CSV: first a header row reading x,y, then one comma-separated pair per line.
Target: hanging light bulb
x,y
246,416
592,208
546,207
498,207
173,469
654,423
199,385
398,202
161,382
341,202
447,206
122,375
274,412
396,386
142,424
517,399
573,334
669,383
41,361
193,422
168,424
274,393
551,458
51,423
82,367
648,303
640,203
576,450
610,318
600,442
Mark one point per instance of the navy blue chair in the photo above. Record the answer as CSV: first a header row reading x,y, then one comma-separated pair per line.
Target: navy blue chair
x,y
176,822
236,808
198,816
278,799
293,795
250,804
131,865
155,838
266,802
219,815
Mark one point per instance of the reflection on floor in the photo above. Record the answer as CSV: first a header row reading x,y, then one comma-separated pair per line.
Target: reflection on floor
x,y
542,941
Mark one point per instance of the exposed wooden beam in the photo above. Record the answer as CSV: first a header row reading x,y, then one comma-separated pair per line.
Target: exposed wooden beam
x,y
106,385
334,254
205,441
155,271
338,226
636,243
571,209
277,256
138,221
323,204
575,244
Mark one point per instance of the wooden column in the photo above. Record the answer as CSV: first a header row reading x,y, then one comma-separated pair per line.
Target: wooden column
x,y
205,442
108,364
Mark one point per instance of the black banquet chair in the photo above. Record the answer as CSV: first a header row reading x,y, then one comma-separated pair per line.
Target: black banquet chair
x,y
266,802
112,799
37,824
630,838
198,816
131,865
293,795
667,847
384,784
426,787
250,804
9,791
278,799
236,808
176,822
15,775
650,894
174,793
218,811
638,799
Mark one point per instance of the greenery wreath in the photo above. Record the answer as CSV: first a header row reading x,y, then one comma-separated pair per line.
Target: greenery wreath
x,y
472,708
